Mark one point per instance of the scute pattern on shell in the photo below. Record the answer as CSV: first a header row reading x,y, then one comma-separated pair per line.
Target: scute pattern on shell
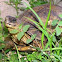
x,y
42,11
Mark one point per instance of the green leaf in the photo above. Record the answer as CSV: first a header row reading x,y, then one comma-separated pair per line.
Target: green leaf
x,y
5,31
17,16
2,46
54,38
37,48
6,51
58,31
35,61
33,36
0,34
23,59
60,15
57,56
0,55
28,41
20,26
14,31
54,22
13,58
1,41
25,28
61,29
40,28
20,35
60,23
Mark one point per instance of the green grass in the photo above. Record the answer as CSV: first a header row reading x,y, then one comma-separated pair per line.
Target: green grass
x,y
42,38
44,27
56,54
18,54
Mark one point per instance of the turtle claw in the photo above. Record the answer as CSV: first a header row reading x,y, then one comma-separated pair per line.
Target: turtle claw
x,y
24,48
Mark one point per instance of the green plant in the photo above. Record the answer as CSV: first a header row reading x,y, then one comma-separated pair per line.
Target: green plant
x,y
60,24
34,3
21,33
41,23
18,53
1,40
1,36
43,57
15,4
42,38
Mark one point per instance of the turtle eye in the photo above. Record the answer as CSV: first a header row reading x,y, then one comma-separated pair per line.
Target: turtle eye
x,y
9,24
14,25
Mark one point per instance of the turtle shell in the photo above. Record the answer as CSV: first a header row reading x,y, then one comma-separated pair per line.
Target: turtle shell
x,y
42,11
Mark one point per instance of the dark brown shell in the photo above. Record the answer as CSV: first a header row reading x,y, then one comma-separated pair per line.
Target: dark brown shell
x,y
42,11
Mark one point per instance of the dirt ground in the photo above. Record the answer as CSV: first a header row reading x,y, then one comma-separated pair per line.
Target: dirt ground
x,y
6,9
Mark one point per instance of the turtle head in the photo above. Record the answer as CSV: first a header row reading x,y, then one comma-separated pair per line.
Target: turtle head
x,y
10,22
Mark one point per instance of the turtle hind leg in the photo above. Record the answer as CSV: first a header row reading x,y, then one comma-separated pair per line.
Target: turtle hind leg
x,y
8,43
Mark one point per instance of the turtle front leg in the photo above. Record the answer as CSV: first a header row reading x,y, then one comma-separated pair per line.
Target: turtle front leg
x,y
24,48
21,47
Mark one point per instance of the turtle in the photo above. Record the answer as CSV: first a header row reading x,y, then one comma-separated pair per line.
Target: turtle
x,y
42,11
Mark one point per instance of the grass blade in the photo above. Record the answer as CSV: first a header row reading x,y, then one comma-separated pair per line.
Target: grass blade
x,y
42,38
40,28
40,21
18,53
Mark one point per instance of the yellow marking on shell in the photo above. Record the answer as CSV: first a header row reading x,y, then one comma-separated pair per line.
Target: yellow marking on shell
x,y
25,37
